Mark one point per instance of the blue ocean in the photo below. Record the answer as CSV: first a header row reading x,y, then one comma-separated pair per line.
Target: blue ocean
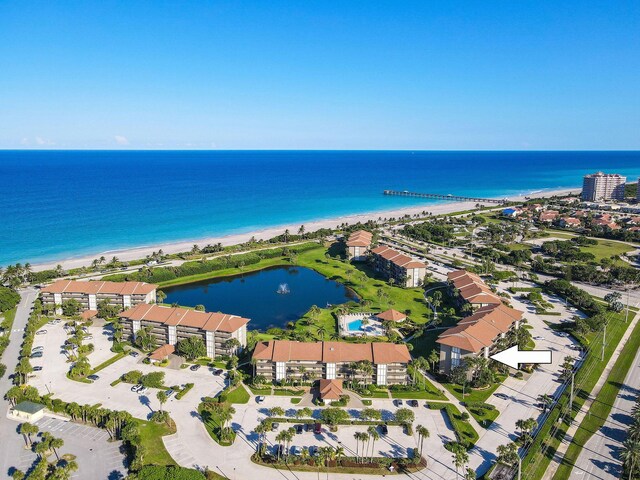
x,y
60,204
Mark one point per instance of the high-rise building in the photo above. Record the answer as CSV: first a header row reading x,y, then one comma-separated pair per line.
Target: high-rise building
x,y
603,186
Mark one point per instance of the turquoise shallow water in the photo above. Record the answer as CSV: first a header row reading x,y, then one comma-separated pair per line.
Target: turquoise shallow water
x,y
58,204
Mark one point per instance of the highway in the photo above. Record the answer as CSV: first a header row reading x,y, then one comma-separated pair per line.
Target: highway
x,y
599,458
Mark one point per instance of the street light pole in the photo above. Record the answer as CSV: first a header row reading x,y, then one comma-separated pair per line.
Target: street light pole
x,y
604,341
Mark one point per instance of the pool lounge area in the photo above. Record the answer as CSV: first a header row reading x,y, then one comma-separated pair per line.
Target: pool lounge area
x,y
360,324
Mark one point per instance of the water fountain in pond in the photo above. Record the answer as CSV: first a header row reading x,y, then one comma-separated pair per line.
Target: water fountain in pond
x,y
283,289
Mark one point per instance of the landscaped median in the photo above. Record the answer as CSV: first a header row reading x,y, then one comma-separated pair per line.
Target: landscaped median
x,y
465,433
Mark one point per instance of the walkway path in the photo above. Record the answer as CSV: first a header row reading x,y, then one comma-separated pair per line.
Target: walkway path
x,y
568,438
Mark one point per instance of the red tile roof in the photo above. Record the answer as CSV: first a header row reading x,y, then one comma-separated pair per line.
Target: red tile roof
x,y
472,289
331,352
185,317
330,389
398,258
162,352
391,315
360,238
100,287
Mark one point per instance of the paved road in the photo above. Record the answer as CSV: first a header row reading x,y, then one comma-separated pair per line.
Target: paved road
x,y
10,451
599,458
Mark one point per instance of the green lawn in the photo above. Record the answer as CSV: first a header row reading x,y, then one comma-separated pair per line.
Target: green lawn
x,y
151,434
607,249
601,407
473,394
212,424
238,395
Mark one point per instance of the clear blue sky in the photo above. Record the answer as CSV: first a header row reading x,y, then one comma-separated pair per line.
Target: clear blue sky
x,y
512,74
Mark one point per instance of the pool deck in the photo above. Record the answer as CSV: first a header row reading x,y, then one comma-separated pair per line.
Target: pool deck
x,y
372,329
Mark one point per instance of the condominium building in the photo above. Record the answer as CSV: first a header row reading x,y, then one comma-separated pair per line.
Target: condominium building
x,y
358,245
405,270
603,186
476,335
467,287
169,325
284,359
89,294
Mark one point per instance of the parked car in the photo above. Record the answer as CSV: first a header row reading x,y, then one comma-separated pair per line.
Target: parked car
x,y
260,399
299,429
133,353
308,427
41,332
384,430
295,450
538,337
89,337
219,371
317,428
136,388
278,450
194,368
412,403
313,450
93,377
169,393
275,426
143,390
37,368
398,403
39,348
36,355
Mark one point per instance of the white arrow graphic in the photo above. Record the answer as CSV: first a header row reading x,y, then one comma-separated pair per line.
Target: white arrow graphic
x,y
512,356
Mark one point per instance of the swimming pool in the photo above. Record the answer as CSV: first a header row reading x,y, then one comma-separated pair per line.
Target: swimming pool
x,y
355,326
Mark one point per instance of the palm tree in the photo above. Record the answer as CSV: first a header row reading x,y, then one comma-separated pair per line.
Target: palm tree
x,y
27,429
357,437
460,456
423,433
373,433
54,444
630,455
321,331
162,398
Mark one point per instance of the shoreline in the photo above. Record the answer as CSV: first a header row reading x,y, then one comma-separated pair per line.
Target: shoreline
x,y
135,253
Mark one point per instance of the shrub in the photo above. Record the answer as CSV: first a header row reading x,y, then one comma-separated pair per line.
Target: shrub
x,y
153,380
9,299
133,376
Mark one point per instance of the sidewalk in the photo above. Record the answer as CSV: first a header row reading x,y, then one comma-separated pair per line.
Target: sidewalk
x,y
568,438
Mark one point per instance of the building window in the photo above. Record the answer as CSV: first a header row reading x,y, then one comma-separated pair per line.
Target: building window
x,y
281,370
455,357
331,371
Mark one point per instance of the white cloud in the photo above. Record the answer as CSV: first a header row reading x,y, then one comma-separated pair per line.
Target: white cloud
x,y
24,141
44,141
121,140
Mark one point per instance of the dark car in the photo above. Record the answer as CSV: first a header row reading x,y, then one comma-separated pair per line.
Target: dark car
x,y
93,377
317,428
193,368
36,355
412,403
278,450
308,427
133,353
37,368
299,428
397,403
219,371
384,429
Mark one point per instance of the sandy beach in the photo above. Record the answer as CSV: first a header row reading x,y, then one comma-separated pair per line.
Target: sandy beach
x,y
134,253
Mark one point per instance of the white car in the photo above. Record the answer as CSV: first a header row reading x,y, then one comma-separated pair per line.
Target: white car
x,y
41,332
39,348
260,398
538,337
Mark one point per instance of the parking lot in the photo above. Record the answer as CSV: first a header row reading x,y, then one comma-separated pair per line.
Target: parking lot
x,y
53,377
96,456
